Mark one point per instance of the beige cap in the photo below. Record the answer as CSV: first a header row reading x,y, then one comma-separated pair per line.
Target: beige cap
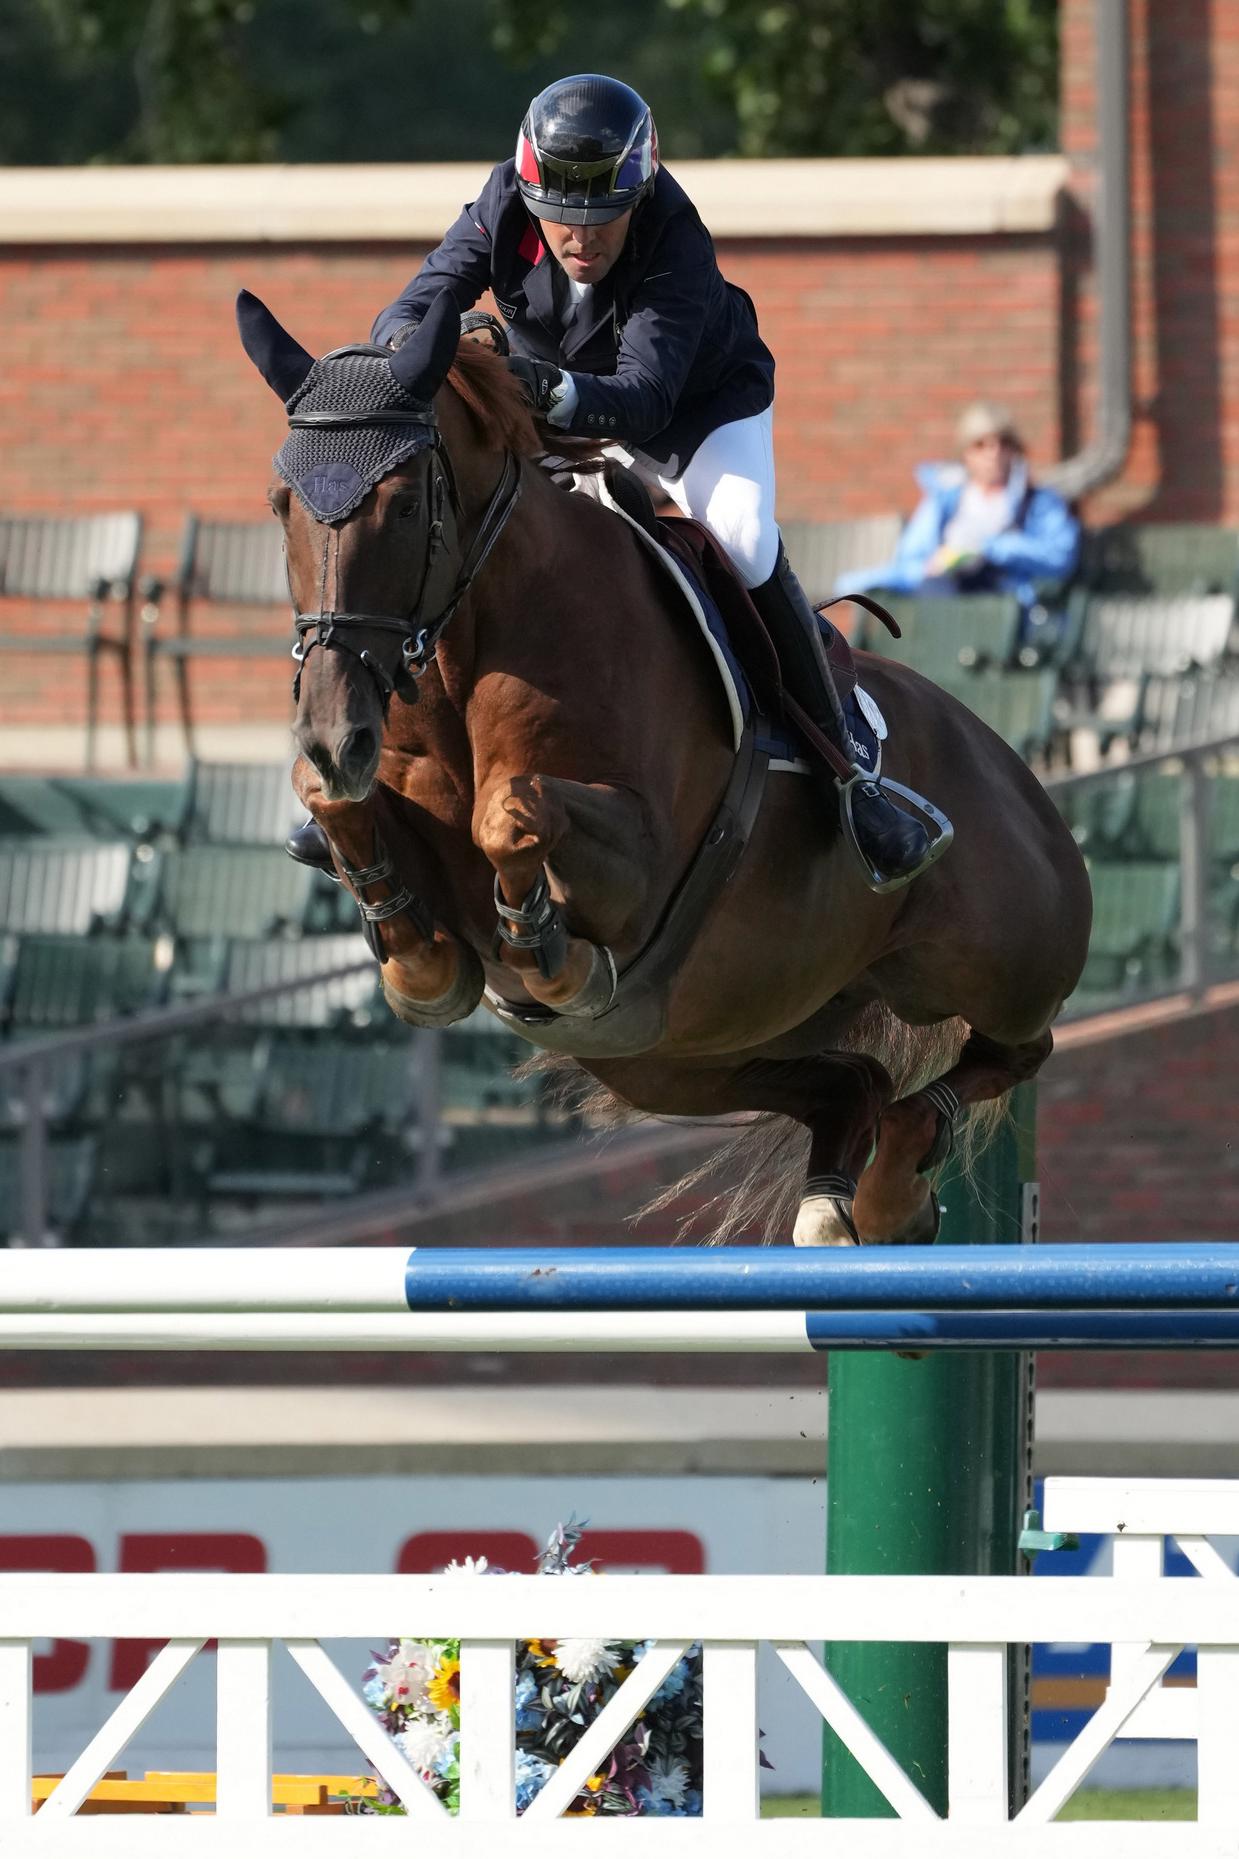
x,y
984,418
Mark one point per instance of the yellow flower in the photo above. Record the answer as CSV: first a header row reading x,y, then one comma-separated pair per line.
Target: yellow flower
x,y
540,1654
444,1688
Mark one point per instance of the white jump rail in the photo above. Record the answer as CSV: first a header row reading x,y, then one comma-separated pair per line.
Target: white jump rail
x,y
1146,1617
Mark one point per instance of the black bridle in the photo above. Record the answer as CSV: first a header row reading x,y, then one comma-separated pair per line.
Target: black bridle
x,y
419,636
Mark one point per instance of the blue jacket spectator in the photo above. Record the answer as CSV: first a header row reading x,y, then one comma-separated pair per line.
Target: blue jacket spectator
x,y
982,526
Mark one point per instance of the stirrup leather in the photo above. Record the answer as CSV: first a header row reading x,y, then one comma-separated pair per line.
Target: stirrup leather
x,y
943,831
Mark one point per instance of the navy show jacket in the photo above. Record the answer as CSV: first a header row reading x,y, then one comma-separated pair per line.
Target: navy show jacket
x,y
665,351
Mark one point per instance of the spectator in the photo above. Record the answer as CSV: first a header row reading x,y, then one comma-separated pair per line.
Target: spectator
x,y
982,526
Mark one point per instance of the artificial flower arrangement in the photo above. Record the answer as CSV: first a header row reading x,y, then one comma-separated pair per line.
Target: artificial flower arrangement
x,y
561,1687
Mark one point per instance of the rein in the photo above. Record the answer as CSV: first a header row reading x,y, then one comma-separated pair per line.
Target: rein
x,y
418,641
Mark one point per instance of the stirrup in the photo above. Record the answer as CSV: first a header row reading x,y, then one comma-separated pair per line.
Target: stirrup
x,y
943,831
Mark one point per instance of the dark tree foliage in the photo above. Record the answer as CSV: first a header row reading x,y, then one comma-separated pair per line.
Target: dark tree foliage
x,y
863,77
412,80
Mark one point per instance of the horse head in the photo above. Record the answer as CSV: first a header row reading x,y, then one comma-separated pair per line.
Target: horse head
x,y
372,515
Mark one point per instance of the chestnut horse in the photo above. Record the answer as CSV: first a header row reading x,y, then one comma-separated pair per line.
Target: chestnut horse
x,y
502,707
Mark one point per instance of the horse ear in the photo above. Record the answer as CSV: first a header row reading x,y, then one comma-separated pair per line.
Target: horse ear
x,y
421,362
282,363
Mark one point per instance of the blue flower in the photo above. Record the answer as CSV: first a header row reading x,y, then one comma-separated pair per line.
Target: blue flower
x,y
531,1774
672,1686
449,1754
374,1691
527,1718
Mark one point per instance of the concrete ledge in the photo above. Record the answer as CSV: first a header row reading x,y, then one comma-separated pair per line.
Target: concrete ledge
x,y
408,204
131,1433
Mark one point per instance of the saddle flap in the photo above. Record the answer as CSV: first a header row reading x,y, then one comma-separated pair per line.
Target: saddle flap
x,y
692,543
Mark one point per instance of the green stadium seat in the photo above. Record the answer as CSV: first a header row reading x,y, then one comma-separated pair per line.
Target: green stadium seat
x,y
353,999
239,804
946,639
821,552
1017,705
1194,708
61,982
1162,558
223,565
1099,814
73,807
1135,916
323,1086
83,561
62,887
1154,637
233,891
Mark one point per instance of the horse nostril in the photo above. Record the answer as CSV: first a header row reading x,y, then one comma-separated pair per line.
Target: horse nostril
x,y
357,751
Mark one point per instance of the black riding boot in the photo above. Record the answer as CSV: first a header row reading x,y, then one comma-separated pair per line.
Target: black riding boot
x,y
892,841
309,846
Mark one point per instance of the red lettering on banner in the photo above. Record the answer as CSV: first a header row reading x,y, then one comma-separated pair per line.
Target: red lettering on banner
x,y
231,1552
65,1665
676,1552
430,1551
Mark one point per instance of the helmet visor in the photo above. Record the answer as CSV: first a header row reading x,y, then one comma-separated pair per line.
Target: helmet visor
x,y
582,193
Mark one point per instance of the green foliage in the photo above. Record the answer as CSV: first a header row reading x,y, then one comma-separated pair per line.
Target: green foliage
x,y
407,80
863,77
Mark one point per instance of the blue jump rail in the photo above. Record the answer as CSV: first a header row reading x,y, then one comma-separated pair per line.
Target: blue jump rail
x,y
908,1279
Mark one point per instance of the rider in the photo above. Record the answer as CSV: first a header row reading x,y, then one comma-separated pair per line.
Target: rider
x,y
623,328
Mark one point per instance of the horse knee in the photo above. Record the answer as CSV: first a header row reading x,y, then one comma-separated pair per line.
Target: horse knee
x,y
517,826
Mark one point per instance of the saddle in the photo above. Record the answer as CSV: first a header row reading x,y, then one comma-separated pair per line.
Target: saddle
x,y
705,560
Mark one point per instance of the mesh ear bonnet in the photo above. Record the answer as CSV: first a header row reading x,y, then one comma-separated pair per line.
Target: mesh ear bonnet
x,y
351,422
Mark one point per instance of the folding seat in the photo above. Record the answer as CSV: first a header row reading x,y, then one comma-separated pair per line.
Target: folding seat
x,y
948,638
60,887
232,891
1017,705
231,576
52,563
238,804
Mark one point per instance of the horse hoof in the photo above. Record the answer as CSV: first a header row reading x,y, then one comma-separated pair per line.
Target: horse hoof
x,y
456,1003
920,1229
824,1221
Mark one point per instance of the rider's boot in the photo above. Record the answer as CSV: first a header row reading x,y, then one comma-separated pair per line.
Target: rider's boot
x,y
309,845
892,841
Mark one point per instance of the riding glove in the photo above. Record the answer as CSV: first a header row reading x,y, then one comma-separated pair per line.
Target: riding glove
x,y
540,380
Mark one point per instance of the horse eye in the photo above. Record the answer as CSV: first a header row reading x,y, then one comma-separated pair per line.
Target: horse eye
x,y
407,509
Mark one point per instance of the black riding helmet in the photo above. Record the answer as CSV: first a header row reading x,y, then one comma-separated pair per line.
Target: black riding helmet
x,y
587,151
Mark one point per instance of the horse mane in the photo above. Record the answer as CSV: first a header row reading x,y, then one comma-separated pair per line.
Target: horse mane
x,y
501,416
494,400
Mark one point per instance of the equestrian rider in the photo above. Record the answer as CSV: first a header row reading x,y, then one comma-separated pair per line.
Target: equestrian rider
x,y
623,328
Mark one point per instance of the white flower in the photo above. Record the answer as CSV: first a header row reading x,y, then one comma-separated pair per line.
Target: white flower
x,y
424,1742
668,1781
579,1660
472,1565
405,1675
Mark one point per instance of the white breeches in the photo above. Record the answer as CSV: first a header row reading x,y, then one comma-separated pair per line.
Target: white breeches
x,y
727,484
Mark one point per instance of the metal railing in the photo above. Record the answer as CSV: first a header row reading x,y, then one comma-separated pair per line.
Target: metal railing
x,y
34,1060
1195,763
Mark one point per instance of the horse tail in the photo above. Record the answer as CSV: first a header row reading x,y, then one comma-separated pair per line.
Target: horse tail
x,y
749,1185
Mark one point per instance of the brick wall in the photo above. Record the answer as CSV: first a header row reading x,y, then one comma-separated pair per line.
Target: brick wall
x,y
123,383
124,386
1184,462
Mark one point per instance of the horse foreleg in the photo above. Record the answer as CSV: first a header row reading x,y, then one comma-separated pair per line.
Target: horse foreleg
x,y
429,978
895,1203
565,854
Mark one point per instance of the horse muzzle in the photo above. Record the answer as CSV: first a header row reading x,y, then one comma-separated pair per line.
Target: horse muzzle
x,y
348,764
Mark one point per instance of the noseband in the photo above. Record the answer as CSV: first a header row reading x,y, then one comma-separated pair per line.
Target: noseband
x,y
419,634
